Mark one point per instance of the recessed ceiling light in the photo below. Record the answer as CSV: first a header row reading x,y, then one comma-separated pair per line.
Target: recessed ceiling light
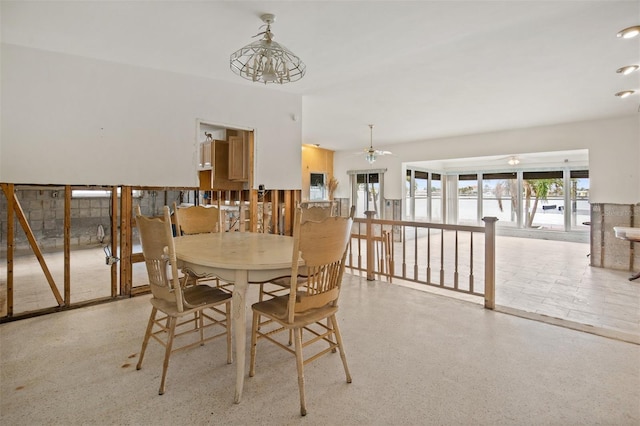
x,y
625,93
629,32
628,69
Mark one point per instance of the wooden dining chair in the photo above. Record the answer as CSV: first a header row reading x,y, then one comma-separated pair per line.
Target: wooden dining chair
x,y
199,307
281,286
198,220
322,246
384,252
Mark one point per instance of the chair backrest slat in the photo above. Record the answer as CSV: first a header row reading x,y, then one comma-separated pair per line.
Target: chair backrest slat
x,y
196,220
315,213
156,238
323,246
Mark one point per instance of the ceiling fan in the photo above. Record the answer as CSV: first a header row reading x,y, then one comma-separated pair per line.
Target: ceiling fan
x,y
370,153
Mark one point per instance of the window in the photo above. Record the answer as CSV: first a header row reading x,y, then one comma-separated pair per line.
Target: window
x,y
423,201
543,199
421,192
317,188
99,193
468,199
436,197
580,209
500,197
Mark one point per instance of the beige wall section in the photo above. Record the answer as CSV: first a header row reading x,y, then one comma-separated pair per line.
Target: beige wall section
x,y
73,120
315,160
613,144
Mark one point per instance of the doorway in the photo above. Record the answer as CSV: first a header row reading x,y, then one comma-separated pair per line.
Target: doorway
x,y
367,192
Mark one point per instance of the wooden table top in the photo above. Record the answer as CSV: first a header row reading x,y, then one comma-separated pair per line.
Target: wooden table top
x,y
236,250
626,233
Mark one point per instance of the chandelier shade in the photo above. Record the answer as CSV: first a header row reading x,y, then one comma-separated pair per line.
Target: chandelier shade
x,y
267,61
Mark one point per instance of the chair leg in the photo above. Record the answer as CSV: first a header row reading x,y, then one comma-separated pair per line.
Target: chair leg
x,y
167,353
300,365
254,341
147,335
330,327
199,321
336,331
228,316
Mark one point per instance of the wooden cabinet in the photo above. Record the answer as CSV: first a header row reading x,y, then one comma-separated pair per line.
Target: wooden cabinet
x,y
225,159
239,158
204,161
215,167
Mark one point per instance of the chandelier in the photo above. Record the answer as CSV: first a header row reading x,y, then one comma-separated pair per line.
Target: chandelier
x,y
266,61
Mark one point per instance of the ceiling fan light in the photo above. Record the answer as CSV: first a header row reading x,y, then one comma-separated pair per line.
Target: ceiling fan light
x,y
629,32
625,93
372,154
628,69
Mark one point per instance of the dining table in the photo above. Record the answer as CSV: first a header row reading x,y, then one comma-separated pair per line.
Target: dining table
x,y
240,258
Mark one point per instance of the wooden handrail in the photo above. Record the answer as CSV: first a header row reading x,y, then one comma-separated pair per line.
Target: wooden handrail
x,y
372,235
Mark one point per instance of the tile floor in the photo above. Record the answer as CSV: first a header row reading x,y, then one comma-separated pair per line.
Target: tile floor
x,y
554,279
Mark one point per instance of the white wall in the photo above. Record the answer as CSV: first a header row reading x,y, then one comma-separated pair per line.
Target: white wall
x,y
73,120
613,144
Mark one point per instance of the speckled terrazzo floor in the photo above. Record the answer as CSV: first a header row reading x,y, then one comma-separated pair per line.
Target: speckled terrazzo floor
x,y
415,357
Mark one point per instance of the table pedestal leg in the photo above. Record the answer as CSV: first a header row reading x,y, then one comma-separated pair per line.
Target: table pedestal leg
x,y
240,327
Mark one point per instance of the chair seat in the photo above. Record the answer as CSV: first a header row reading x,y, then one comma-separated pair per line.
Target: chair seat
x,y
282,282
195,297
276,309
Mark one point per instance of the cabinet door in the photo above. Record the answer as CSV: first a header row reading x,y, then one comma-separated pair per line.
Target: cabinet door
x,y
205,155
238,158
219,160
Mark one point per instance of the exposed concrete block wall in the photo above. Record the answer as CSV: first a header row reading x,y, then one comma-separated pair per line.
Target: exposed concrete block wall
x,y
392,209
607,251
44,210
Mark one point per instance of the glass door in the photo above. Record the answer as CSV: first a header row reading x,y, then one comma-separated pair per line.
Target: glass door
x,y
423,196
367,193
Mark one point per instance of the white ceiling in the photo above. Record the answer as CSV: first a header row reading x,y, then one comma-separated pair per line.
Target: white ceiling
x,y
575,159
416,69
